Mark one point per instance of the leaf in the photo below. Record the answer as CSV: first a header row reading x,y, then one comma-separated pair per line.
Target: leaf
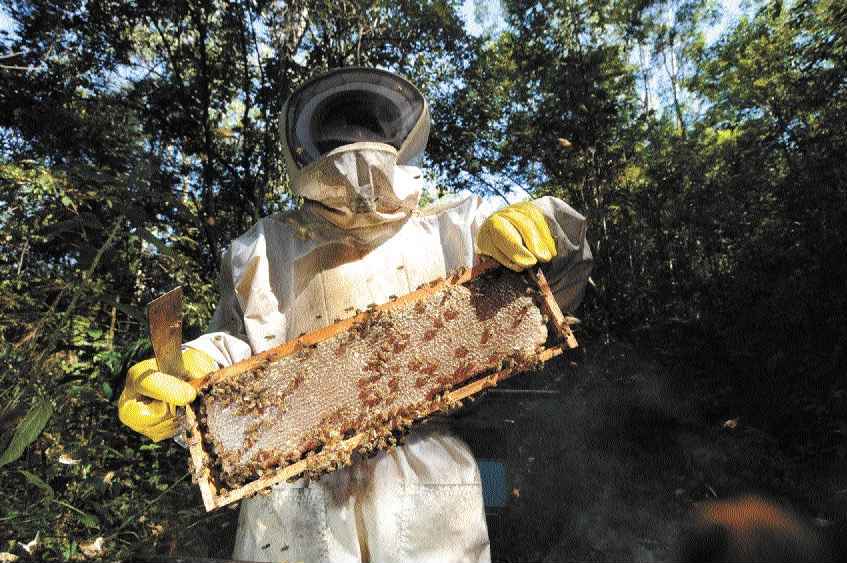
x,y
87,520
27,431
160,246
37,481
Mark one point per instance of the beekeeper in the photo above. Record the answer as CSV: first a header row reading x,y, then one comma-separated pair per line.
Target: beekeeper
x,y
349,137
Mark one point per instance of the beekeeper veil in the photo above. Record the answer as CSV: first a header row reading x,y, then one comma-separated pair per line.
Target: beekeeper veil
x,y
349,136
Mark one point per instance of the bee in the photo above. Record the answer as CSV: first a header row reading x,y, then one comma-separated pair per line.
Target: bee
x,y
450,314
393,384
463,372
486,336
460,352
429,335
437,323
430,368
392,297
372,401
414,365
432,394
520,316
444,380
400,267
419,307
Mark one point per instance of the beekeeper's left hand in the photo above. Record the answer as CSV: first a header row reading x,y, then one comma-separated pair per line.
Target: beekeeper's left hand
x,y
517,237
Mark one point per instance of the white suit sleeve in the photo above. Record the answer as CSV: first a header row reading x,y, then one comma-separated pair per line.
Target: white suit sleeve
x,y
226,341
568,272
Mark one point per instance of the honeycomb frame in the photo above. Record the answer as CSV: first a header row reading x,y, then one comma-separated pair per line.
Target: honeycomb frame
x,y
334,450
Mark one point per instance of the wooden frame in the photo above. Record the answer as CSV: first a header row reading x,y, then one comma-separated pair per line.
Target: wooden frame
x,y
214,498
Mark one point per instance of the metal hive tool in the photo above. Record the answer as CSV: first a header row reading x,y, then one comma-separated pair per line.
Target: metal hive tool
x,y
311,404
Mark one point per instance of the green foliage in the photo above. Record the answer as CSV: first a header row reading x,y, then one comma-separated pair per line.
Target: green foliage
x,y
27,431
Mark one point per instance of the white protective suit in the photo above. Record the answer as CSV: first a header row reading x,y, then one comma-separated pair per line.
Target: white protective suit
x,y
358,240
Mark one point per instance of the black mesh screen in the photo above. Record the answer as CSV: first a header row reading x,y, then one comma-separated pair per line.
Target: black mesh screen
x,y
348,106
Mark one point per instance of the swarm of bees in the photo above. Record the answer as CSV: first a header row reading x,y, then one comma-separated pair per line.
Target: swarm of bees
x,y
393,366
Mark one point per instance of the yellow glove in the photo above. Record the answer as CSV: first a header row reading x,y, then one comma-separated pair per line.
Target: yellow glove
x,y
517,236
149,399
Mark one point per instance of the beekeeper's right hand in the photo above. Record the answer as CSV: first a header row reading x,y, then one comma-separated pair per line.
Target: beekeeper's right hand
x,y
149,399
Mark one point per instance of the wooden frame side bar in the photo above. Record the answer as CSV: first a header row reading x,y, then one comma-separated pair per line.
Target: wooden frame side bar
x,y
553,311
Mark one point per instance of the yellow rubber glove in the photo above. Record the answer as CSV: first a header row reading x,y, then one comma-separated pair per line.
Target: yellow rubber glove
x,y
149,399
517,236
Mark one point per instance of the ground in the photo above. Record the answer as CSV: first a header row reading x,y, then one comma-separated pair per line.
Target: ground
x,y
605,453
609,469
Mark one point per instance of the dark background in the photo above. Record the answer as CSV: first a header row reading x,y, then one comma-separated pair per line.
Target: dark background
x,y
137,139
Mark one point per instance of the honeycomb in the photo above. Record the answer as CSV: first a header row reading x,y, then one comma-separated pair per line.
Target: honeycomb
x,y
398,360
